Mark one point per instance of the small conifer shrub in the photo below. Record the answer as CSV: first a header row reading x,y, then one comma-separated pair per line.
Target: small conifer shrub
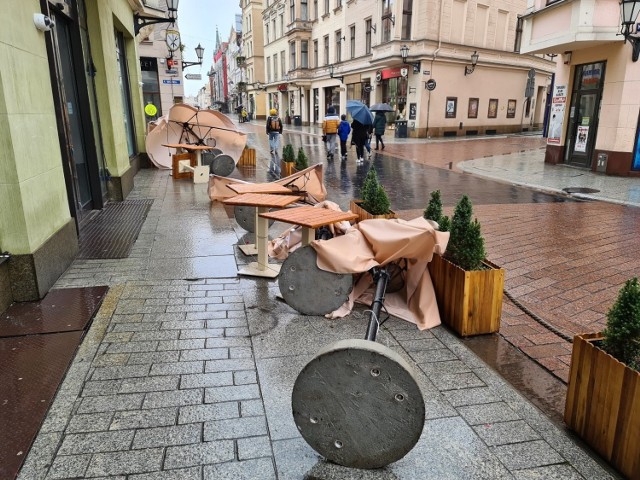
x,y
466,244
622,335
287,153
374,198
302,161
434,207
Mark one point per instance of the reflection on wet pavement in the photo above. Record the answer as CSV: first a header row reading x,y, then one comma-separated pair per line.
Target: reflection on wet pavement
x,y
408,184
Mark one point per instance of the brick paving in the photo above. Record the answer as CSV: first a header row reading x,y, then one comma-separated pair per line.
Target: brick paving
x,y
187,370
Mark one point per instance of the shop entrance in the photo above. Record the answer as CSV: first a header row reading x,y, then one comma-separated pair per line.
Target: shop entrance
x,y
583,117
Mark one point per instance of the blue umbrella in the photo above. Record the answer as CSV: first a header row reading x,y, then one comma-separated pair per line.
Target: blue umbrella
x,y
360,112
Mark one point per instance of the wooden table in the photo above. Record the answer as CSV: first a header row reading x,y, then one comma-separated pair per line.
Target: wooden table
x,y
309,218
250,248
263,202
258,188
197,149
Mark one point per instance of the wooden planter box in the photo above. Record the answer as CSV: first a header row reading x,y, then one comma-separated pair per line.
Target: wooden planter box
x,y
248,158
287,168
603,404
470,302
355,207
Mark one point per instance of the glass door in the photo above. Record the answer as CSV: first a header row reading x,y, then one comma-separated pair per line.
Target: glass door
x,y
583,116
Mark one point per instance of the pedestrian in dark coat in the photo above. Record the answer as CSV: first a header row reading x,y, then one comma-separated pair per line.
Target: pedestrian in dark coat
x,y
359,137
379,125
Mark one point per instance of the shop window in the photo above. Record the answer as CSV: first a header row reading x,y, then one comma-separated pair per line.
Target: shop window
x,y
150,85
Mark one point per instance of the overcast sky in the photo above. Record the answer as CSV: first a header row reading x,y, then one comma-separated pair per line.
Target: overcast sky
x,y
197,21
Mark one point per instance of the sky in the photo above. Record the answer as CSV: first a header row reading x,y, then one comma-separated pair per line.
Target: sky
x,y
197,21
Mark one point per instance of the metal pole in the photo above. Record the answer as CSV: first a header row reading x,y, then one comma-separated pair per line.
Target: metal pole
x,y
381,277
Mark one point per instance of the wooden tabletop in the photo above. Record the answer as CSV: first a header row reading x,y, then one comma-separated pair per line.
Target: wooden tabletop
x,y
258,188
187,146
311,217
262,200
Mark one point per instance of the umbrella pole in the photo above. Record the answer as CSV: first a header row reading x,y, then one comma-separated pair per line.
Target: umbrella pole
x,y
381,277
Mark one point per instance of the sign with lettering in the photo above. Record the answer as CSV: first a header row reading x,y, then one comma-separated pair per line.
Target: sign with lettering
x,y
193,76
391,73
171,81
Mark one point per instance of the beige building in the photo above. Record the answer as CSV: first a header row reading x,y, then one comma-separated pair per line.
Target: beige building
x,y
252,49
361,41
595,120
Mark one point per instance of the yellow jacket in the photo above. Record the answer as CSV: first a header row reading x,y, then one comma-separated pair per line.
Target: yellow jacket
x,y
330,124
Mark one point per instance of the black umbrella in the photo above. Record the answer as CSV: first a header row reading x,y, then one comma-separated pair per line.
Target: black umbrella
x,y
381,107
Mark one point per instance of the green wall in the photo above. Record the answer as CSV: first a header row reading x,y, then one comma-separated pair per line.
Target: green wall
x,y
32,190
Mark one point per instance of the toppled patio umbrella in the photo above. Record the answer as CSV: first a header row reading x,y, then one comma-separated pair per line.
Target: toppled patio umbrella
x,y
188,125
381,107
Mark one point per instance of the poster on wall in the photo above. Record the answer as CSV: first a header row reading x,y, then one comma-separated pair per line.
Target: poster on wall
x,y
452,103
581,139
413,109
473,108
636,156
556,114
511,109
493,108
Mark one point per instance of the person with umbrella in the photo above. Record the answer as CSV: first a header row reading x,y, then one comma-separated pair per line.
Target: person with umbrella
x,y
379,125
359,137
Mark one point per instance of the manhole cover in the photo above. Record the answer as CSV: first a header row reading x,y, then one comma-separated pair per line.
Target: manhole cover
x,y
580,190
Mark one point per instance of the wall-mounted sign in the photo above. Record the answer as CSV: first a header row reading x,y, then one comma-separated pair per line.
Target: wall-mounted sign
x,y
171,81
431,84
282,87
404,72
413,109
556,114
193,76
391,73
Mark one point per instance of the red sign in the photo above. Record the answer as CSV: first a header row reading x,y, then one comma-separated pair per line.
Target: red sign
x,y
391,73
282,87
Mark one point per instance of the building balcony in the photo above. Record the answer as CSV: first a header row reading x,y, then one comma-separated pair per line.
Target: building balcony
x,y
566,25
300,26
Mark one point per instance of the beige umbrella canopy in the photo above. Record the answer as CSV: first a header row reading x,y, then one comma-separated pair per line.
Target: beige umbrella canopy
x,y
186,124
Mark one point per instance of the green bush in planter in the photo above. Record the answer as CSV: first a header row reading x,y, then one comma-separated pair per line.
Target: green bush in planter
x,y
302,161
287,153
466,244
374,197
622,335
434,212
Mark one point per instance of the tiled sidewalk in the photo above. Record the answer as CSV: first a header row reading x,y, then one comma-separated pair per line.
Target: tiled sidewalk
x,y
192,378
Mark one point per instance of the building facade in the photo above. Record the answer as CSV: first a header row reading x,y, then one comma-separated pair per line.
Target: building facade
x,y
73,126
595,117
325,52
252,47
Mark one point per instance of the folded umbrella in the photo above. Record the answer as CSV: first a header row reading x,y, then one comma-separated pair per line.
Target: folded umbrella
x,y
381,107
360,112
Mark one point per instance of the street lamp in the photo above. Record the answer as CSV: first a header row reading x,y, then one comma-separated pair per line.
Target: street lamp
x,y
331,70
404,53
199,54
140,21
630,10
468,69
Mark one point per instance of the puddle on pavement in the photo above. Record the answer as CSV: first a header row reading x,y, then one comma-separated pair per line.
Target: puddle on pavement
x,y
539,386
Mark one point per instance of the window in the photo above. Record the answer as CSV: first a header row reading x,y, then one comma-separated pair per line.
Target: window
x,y
352,39
518,41
367,36
316,62
326,7
326,50
283,63
387,13
338,3
275,66
304,54
266,33
268,70
273,27
304,14
292,9
292,52
281,24
338,55
315,10
407,6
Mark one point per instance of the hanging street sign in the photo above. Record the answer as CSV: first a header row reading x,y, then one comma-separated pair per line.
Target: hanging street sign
x,y
193,76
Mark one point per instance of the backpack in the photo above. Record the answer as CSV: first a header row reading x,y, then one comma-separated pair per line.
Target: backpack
x,y
274,124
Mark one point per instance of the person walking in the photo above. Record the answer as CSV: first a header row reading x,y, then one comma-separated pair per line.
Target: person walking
x,y
359,136
379,124
244,115
330,130
274,130
367,144
343,132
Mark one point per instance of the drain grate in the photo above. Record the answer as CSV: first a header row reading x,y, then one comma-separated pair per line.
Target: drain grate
x,y
580,190
112,233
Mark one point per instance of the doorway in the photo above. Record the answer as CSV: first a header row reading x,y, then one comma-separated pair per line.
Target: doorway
x,y
584,112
